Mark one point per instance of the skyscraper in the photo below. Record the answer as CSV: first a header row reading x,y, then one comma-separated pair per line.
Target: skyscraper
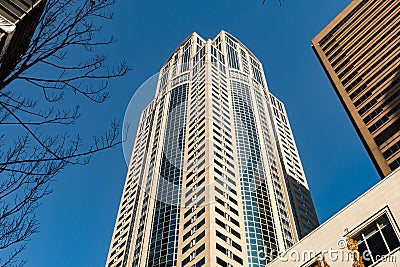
x,y
360,52
215,178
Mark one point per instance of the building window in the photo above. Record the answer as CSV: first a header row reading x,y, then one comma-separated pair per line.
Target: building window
x,y
319,262
377,240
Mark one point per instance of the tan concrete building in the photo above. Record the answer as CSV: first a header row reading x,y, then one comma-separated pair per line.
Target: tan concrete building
x,y
371,222
18,21
360,52
215,175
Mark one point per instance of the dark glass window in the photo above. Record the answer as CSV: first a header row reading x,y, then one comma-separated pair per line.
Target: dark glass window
x,y
377,240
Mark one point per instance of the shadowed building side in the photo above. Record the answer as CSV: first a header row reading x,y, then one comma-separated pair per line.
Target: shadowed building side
x,y
18,21
297,188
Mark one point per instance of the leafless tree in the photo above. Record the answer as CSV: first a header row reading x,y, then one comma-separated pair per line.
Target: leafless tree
x,y
60,64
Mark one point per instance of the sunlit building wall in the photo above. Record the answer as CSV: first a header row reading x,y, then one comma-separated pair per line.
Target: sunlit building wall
x,y
360,52
215,177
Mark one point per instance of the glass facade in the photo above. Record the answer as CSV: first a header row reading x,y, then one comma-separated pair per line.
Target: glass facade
x,y
208,178
164,229
259,224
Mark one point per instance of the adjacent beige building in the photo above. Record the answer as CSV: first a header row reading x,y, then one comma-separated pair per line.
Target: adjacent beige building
x,y
372,221
360,52
215,175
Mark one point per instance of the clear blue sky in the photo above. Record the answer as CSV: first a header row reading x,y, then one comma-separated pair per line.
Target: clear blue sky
x,y
77,220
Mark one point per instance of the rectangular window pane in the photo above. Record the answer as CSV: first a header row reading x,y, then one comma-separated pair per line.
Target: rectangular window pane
x,y
391,238
362,248
377,246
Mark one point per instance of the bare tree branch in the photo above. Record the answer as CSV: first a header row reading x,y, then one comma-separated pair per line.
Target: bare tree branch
x,y
32,102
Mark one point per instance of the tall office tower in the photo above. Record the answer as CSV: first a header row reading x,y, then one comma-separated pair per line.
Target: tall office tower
x,y
215,178
360,52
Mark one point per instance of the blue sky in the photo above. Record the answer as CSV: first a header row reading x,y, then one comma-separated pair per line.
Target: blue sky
x,y
77,220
